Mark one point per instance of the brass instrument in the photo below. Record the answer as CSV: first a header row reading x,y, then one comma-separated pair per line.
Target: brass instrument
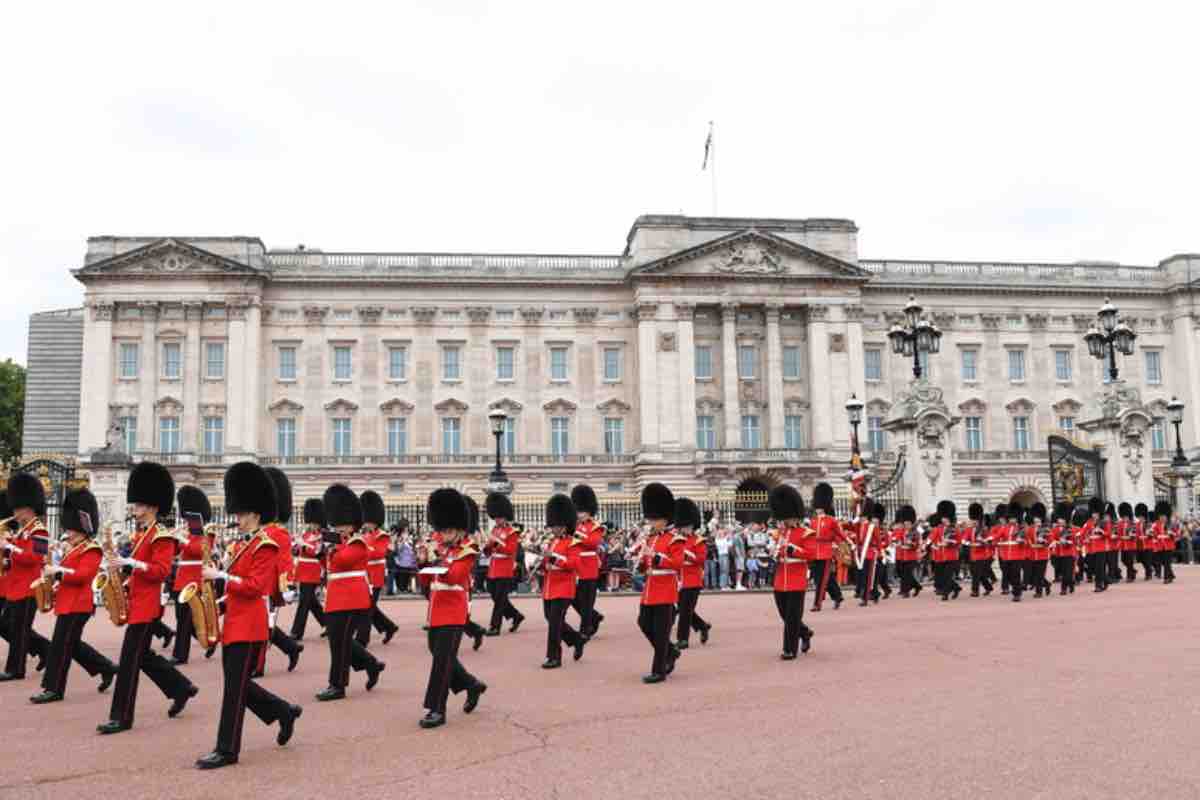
x,y
43,587
202,601
3,539
109,584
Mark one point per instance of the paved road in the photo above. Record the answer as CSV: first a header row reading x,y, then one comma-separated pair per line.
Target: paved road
x,y
1091,696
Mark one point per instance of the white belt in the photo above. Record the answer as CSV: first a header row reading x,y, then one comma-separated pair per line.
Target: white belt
x,y
191,563
662,572
794,560
588,553
357,573
445,587
375,561
309,560
500,555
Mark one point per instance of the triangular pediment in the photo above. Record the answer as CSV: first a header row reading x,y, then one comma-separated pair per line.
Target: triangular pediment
x,y
752,253
167,257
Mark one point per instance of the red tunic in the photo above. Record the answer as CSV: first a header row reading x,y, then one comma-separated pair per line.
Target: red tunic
x,y
379,542
905,550
189,565
1097,541
502,548
246,600
26,560
156,547
828,532
694,552
1163,536
1035,551
74,595
791,566
561,573
1010,543
661,566
1067,542
308,563
943,548
450,592
346,587
588,537
980,539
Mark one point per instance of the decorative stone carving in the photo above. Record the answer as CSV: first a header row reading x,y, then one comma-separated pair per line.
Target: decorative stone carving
x,y
853,312
370,315
666,342
1022,405
451,407
285,407
193,310
532,314
614,407
929,435
931,462
1133,444
944,319
708,405
168,405
212,409
560,407
149,309
236,309
729,312
585,315
1082,321
1038,321
341,406
1067,407
749,258
103,311
396,407
795,405
647,311
315,315
1168,322
891,318
424,315
818,313
974,407
837,342
479,314
990,322
507,405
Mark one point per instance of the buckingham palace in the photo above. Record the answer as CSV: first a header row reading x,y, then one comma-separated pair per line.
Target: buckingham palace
x,y
709,353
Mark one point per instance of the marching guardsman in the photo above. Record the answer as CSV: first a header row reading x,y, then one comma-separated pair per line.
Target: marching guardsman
x,y
73,604
1011,547
660,560
151,491
251,577
1127,541
828,532
943,540
1069,543
1164,535
309,568
793,542
1112,560
192,501
979,541
560,563
1000,531
28,551
869,540
1060,538
281,594
347,593
589,536
380,542
690,523
449,596
501,548
1145,541
1037,549
473,629
907,541
1097,546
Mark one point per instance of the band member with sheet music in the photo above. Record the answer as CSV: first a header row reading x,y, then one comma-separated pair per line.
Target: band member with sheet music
x,y
380,542
281,593
347,593
309,568
792,544
150,491
560,567
28,550
689,523
193,504
1037,550
906,538
589,536
449,593
73,605
501,548
660,560
828,532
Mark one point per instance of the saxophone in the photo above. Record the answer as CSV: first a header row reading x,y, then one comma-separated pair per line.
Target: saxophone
x,y
43,587
108,583
3,539
202,601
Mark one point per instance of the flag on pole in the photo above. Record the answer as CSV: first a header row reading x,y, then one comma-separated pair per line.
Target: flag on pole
x,y
708,141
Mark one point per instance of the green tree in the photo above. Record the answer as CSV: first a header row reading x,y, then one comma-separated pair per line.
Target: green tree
x,y
12,410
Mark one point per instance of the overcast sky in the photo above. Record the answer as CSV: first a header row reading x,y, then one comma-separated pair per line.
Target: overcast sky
x,y
1044,131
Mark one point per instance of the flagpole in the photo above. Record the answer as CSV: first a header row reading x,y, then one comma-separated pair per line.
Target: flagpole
x,y
713,171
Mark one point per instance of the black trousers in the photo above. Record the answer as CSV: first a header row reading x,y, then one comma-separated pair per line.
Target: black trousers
x,y
375,618
308,604
66,645
945,578
502,607
446,672
1098,566
18,615
1036,575
1127,558
815,570
791,610
136,658
1167,559
585,604
557,629
1012,574
160,629
908,577
183,631
238,661
284,642
344,651
1064,566
864,574
689,620
981,576
655,622
1114,566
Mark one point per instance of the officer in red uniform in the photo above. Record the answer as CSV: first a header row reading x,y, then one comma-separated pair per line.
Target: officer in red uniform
x,y
944,544
1011,547
1070,539
308,568
501,549
827,533
449,597
28,551
380,543
689,522
73,603
560,564
792,544
978,539
1037,543
907,541
1164,536
870,535
250,579
1127,541
589,536
281,594
661,561
1097,546
347,593
151,491
1058,535
187,568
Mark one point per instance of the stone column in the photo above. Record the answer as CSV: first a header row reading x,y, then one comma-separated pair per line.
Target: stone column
x,y
1184,350
236,395
920,424
854,353
1119,425
729,377
819,378
774,377
148,379
686,335
98,374
255,377
193,365
648,384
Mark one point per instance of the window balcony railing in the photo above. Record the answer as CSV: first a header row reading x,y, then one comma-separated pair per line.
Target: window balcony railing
x,y
474,459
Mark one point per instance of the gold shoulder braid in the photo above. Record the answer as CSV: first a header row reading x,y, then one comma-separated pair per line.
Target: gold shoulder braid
x,y
161,533
467,550
358,537
263,539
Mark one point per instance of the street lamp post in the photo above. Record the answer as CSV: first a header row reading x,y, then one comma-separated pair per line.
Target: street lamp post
x,y
498,481
1112,334
854,408
1175,414
918,335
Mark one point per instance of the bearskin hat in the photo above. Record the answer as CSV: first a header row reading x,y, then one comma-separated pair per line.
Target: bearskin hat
x,y
473,514
687,514
906,514
1125,511
786,503
658,502
560,512
25,491
5,511
1001,512
1080,515
75,506
1162,509
372,506
1110,510
341,506
248,488
1037,512
447,510
822,498
585,500
934,519
1063,511
975,512
152,485
193,500
498,506
877,511
283,495
314,511
946,510
1141,510
1096,505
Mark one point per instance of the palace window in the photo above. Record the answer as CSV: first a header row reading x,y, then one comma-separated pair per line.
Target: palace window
x,y
1020,433
129,428
1016,365
285,437
1062,365
751,433
974,430
214,436
791,363
168,434
614,436
397,363
451,368
704,364
508,437
129,360
342,436
969,360
172,360
214,360
558,363
1153,366
746,361
342,364
706,433
559,436
397,436
876,437
612,364
872,363
451,436
1158,435
505,363
793,431
1067,425
287,363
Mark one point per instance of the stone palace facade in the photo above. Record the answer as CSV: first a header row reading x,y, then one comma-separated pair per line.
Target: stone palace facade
x,y
709,353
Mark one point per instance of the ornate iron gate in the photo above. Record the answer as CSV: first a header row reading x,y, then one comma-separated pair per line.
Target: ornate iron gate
x,y
1075,474
57,478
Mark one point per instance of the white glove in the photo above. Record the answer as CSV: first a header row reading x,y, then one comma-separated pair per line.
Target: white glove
x,y
125,561
214,574
289,597
9,546
58,569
